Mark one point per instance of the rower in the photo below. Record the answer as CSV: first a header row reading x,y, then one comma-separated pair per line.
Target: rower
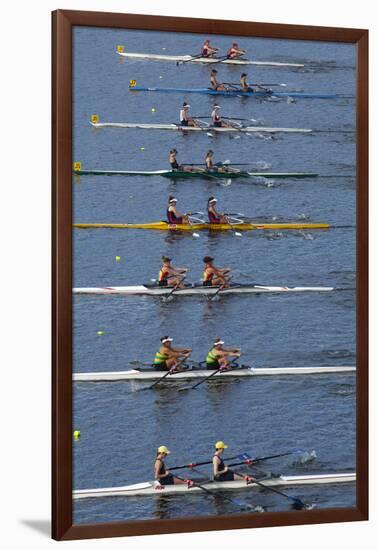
x,y
218,356
214,216
221,471
208,50
173,216
216,118
214,84
162,475
171,276
185,118
215,276
209,163
169,358
234,52
175,165
244,84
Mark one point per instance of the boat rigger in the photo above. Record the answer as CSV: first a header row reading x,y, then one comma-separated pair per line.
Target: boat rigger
x,y
165,226
191,374
151,488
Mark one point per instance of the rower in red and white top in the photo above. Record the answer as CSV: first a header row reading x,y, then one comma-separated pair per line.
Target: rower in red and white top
x,y
173,216
208,50
214,216
185,118
215,276
171,276
234,52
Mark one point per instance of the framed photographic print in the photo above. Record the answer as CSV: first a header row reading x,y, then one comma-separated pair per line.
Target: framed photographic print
x,y
209,275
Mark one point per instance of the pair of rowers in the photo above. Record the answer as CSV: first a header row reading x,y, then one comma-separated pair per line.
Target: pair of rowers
x,y
171,276
174,217
171,359
242,86
208,161
233,52
221,472
216,119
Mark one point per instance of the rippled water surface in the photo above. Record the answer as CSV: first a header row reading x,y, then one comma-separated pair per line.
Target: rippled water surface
x,y
121,427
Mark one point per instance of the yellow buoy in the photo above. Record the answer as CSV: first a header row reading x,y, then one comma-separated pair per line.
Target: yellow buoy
x,y
76,434
142,148
153,110
118,258
100,332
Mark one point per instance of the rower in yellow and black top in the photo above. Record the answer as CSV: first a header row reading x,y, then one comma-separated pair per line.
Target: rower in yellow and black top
x,y
169,275
221,471
169,358
218,357
161,474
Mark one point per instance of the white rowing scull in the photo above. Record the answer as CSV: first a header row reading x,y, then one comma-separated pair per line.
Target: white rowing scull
x,y
151,374
151,488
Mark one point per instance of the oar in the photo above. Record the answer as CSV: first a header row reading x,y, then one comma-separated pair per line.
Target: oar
x,y
166,298
236,233
298,504
159,380
204,463
219,59
186,388
247,459
238,503
188,60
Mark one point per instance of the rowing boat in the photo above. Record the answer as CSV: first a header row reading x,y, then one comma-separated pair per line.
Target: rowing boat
x,y
247,129
211,60
192,290
165,226
151,374
234,93
151,488
195,174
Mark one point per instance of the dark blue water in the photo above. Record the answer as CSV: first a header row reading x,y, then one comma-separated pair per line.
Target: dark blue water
x,y
120,427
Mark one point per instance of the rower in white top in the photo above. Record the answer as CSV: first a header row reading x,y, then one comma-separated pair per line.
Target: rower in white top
x,y
185,118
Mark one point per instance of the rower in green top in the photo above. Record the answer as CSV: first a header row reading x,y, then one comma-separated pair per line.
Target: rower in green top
x,y
219,357
169,358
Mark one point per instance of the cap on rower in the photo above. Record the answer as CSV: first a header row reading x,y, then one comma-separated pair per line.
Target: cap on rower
x,y
186,105
172,199
164,449
166,259
218,342
165,339
208,259
221,445
243,74
216,106
212,199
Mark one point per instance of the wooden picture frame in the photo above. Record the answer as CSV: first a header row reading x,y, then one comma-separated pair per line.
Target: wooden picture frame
x,y
62,23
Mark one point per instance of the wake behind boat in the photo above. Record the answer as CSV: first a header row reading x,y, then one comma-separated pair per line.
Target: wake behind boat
x,y
151,488
199,59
